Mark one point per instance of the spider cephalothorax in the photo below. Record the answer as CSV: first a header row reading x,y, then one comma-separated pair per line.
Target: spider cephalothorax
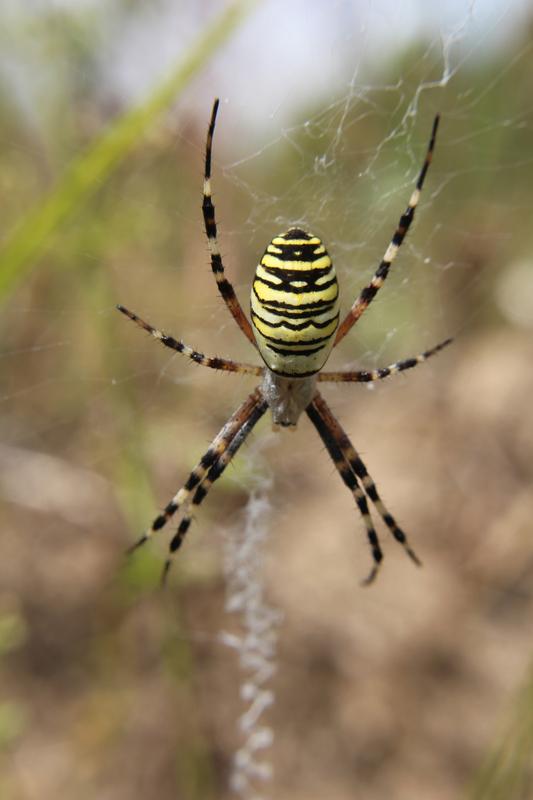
x,y
295,325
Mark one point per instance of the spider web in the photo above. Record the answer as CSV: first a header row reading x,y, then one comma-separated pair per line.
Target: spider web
x,y
324,125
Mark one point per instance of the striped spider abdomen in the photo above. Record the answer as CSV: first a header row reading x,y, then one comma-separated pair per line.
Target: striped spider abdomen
x,y
295,324
295,304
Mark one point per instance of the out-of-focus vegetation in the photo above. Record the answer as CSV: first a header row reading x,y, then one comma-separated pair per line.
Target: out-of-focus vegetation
x,y
112,690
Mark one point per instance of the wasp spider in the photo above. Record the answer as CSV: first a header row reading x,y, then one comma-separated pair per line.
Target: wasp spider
x,y
294,326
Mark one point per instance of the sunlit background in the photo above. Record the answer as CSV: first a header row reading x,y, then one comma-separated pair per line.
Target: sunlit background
x,y
418,687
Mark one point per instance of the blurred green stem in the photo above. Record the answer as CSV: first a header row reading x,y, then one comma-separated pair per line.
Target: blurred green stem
x,y
89,170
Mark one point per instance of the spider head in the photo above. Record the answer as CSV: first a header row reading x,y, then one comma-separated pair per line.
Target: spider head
x,y
287,397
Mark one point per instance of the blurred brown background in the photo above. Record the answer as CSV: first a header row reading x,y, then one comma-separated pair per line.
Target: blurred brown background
x,y
418,687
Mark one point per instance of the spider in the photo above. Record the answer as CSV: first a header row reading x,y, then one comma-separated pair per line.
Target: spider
x,y
294,326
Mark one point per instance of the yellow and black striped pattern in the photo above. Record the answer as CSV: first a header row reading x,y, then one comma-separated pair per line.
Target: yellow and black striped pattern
x,y
295,324
295,304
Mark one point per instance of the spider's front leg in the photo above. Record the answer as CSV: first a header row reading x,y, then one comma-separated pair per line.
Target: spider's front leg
x,y
214,474
349,478
331,434
210,458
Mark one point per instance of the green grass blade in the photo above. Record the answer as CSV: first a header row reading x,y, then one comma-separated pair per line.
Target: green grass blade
x,y
92,167
508,771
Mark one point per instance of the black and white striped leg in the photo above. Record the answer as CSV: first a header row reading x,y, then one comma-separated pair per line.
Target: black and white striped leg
x,y
199,358
208,460
208,209
366,376
352,457
214,474
369,292
350,480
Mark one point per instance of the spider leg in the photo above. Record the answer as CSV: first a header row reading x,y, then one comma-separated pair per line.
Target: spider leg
x,y
350,480
369,292
214,473
215,450
224,286
365,376
352,457
199,358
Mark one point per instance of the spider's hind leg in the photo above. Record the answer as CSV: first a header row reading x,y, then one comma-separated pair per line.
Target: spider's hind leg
x,y
369,375
208,210
369,292
202,360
